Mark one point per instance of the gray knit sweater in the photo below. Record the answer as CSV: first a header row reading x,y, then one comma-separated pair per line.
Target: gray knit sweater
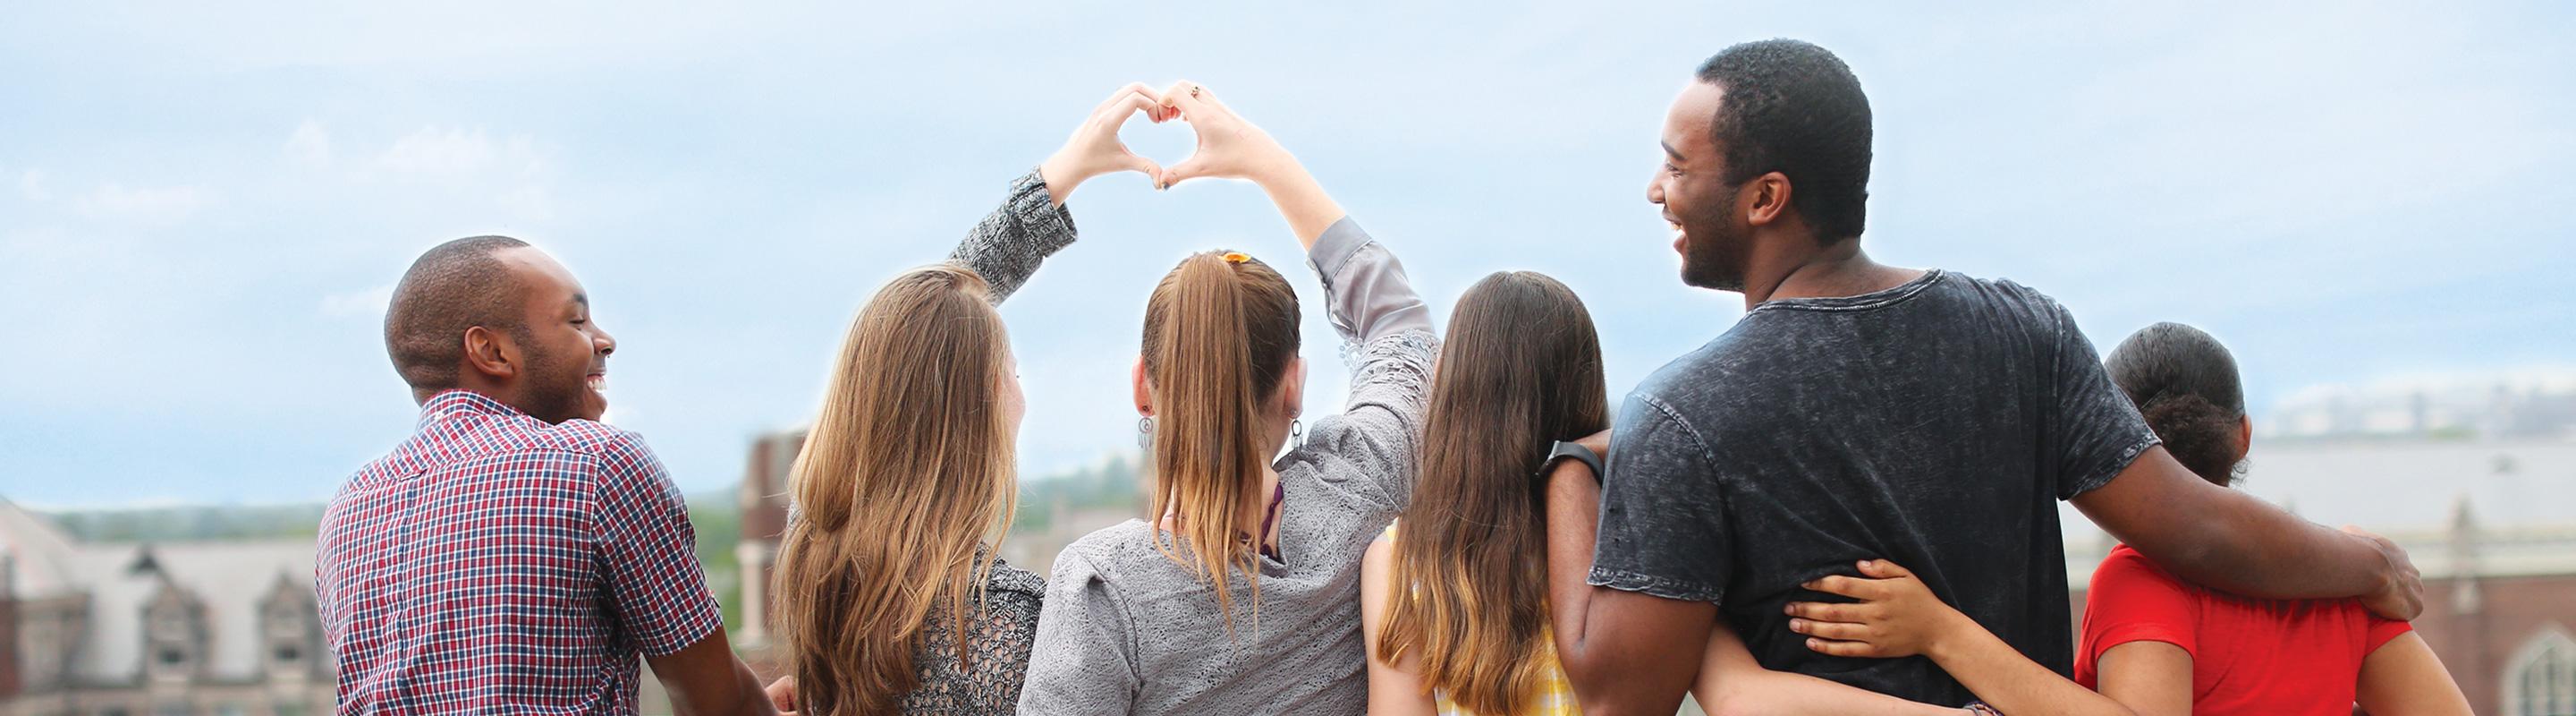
x,y
1127,631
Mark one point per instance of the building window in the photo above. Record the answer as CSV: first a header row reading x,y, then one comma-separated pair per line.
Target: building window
x,y
2540,680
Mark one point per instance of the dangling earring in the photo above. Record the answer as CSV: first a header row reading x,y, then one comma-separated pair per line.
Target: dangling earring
x,y
1297,432
1145,433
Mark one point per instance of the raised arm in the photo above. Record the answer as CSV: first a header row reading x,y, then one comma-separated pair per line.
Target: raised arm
x,y
1032,223
1384,325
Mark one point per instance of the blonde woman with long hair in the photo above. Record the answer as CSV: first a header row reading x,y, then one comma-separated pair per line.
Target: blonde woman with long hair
x,y
1241,596
889,598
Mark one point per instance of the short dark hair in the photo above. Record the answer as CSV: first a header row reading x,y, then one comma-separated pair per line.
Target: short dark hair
x,y
1794,108
2184,381
455,286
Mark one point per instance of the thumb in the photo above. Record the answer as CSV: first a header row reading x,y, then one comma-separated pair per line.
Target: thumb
x,y
1129,161
1882,569
1191,168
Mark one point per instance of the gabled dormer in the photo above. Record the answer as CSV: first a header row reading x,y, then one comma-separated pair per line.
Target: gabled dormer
x,y
290,631
174,632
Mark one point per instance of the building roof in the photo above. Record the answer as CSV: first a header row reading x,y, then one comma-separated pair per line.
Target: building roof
x,y
230,578
39,553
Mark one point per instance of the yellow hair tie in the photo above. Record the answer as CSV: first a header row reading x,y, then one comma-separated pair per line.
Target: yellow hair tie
x,y
1236,257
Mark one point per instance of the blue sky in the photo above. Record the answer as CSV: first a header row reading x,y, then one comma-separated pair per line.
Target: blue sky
x,y
203,206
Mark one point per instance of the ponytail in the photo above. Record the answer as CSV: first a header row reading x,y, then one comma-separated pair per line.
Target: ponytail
x,y
1219,333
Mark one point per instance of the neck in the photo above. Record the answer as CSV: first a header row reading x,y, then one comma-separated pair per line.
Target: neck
x,y
1250,520
1810,271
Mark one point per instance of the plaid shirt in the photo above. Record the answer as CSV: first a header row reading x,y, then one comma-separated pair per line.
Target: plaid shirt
x,y
495,563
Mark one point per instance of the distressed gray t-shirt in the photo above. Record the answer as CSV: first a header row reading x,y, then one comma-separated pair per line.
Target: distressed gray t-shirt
x,y
1934,424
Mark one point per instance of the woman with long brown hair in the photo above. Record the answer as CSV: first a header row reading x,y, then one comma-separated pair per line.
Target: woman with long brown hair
x,y
1241,595
889,598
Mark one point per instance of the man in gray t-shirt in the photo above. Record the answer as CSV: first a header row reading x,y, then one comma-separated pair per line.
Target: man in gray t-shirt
x,y
1935,424
1865,411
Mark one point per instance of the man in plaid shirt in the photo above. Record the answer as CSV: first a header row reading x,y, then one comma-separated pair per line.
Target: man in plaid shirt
x,y
515,555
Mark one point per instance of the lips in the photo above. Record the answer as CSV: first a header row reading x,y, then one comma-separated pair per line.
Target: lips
x,y
598,382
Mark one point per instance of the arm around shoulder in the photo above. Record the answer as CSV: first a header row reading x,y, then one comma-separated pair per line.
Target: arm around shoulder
x,y
2231,541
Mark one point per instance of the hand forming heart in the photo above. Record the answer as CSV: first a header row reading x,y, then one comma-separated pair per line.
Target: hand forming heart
x,y
1227,147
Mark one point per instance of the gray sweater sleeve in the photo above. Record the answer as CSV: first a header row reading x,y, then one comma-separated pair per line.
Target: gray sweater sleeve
x,y
1388,343
1084,660
1009,243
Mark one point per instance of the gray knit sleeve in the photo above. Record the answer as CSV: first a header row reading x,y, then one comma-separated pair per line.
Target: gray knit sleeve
x,y
1084,660
1009,243
1388,344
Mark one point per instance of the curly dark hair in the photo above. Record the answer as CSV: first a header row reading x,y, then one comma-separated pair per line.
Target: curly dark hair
x,y
1794,108
2185,383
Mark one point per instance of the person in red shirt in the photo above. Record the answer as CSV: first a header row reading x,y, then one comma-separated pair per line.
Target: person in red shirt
x,y
2153,643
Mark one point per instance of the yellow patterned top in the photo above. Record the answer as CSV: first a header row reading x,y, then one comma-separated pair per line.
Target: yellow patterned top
x,y
1551,696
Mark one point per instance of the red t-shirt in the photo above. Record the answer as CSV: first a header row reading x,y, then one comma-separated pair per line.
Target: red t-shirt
x,y
2248,656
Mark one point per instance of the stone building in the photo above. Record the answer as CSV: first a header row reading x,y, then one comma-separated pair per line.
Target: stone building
x,y
213,628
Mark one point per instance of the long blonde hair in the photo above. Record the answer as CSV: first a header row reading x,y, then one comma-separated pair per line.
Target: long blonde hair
x,y
1220,331
1521,369
907,473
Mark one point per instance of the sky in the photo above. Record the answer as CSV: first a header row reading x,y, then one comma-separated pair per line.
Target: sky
x,y
204,206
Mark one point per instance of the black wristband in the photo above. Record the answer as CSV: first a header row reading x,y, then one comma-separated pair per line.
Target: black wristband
x,y
1563,450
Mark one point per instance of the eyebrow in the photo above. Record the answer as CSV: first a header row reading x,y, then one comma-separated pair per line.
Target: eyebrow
x,y
1676,154
581,298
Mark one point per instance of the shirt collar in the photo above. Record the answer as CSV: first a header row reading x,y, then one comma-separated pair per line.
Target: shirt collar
x,y
458,402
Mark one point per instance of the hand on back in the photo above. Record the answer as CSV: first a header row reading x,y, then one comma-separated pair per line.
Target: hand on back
x,y
1896,615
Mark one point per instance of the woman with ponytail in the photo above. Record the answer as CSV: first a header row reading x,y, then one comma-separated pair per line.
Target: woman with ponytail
x,y
1241,595
889,598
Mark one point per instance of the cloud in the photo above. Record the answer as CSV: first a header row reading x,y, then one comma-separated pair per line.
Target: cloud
x,y
310,146
154,205
363,302
518,171
31,184
435,151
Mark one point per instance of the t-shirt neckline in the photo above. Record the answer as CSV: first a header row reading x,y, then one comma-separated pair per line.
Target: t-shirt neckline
x,y
1862,302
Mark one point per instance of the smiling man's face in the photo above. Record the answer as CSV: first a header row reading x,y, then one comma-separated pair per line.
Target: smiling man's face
x,y
566,355
1690,185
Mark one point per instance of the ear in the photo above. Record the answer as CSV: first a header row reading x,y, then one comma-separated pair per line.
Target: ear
x,y
1144,390
2244,437
1766,199
491,353
1292,388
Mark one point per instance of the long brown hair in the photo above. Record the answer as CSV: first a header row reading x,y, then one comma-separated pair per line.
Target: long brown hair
x,y
906,475
1220,331
1521,368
